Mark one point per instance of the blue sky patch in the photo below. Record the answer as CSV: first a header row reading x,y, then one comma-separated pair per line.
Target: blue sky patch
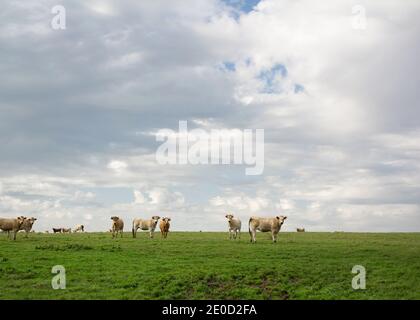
x,y
229,66
299,88
242,5
269,77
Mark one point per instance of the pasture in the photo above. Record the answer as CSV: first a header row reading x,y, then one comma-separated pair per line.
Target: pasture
x,y
207,265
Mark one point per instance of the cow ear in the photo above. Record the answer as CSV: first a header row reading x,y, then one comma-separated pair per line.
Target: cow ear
x,y
278,218
169,219
284,218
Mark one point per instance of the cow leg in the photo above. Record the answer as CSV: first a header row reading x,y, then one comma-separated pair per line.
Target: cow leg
x,y
134,232
252,234
274,236
151,234
14,235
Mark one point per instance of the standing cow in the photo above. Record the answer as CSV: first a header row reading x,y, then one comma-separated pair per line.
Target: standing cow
x,y
272,225
79,227
27,225
164,226
117,226
145,225
11,225
234,226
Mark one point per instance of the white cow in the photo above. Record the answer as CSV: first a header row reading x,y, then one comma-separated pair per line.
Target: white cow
x,y
265,225
145,225
234,226
79,227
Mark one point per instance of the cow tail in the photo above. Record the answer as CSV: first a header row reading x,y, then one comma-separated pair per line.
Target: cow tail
x,y
249,227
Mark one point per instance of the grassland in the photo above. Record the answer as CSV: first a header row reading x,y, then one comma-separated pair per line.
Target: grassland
x,y
192,265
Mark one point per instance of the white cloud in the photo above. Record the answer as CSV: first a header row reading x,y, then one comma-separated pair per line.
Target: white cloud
x,y
340,152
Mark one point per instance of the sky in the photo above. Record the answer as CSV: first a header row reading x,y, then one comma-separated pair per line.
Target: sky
x,y
334,85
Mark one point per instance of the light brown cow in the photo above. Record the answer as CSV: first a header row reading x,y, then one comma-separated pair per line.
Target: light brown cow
x,y
300,229
117,226
145,225
265,225
234,226
27,225
164,226
13,225
64,230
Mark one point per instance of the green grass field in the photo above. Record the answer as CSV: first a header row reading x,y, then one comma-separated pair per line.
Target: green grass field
x,y
193,265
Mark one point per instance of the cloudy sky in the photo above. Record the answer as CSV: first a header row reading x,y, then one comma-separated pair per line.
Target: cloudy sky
x,y
334,85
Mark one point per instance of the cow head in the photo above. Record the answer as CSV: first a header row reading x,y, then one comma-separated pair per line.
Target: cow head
x,y
155,219
20,220
31,220
166,220
114,218
229,217
281,219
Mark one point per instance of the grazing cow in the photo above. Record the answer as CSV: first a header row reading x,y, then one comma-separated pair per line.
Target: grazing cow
x,y
64,230
57,230
300,229
117,226
265,225
11,225
164,226
234,226
27,225
145,225
79,227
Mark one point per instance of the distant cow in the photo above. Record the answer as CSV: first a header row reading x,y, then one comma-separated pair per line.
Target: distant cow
x,y
265,225
27,225
164,226
57,230
300,229
145,225
234,226
13,225
117,226
79,227
64,230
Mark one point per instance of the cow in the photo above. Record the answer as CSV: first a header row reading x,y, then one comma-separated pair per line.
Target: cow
x,y
13,225
265,225
145,225
64,230
234,226
79,227
57,230
27,225
117,226
300,229
164,226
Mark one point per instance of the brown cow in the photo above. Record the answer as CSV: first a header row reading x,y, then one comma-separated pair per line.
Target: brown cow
x,y
117,226
11,225
164,226
265,225
300,229
27,225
